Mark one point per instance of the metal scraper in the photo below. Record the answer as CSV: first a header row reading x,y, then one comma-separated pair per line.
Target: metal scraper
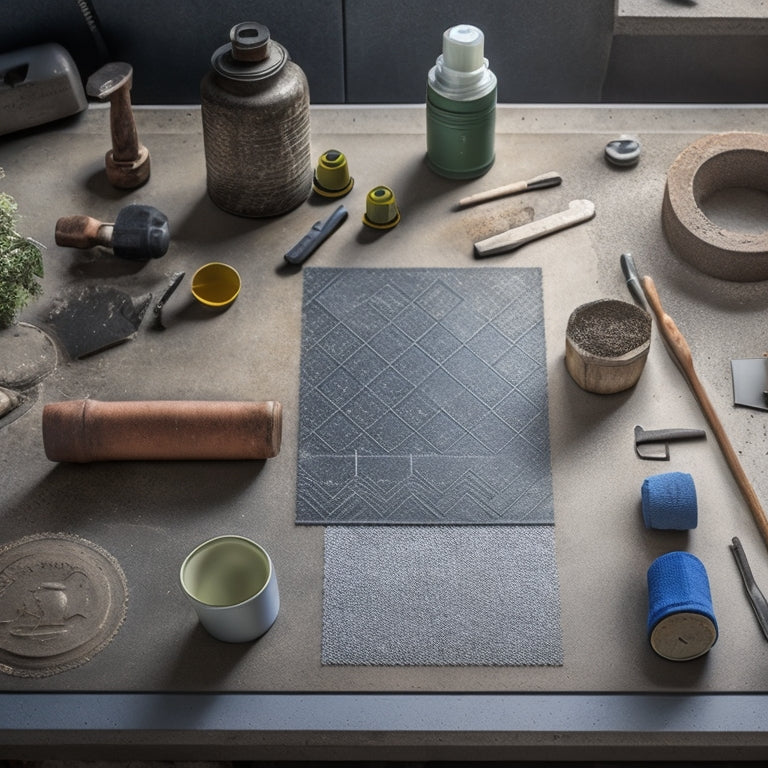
x,y
95,318
750,382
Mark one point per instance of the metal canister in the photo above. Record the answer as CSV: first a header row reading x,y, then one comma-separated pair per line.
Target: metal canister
x,y
256,126
461,107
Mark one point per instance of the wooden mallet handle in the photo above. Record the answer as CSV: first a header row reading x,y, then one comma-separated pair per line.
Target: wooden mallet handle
x,y
83,232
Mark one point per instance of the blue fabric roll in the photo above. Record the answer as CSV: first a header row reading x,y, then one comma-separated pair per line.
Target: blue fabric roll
x,y
669,502
678,583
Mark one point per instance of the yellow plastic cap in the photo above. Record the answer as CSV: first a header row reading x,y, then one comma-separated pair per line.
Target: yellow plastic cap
x,y
216,284
332,177
381,211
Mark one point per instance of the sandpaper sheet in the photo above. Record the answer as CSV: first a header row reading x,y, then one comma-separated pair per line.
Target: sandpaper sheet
x,y
423,397
441,595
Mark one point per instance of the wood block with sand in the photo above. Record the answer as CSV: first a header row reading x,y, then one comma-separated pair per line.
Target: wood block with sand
x,y
606,345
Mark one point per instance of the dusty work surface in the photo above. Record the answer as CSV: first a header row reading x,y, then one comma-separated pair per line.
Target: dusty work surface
x,y
149,515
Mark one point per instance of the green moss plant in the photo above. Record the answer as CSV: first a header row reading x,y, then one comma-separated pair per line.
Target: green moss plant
x,y
21,264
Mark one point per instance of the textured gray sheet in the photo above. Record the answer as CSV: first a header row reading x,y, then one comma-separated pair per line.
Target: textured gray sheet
x,y
441,595
423,397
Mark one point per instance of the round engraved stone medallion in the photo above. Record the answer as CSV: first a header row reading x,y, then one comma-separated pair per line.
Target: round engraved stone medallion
x,y
62,599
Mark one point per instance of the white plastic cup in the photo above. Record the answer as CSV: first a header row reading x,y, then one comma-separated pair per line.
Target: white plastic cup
x,y
231,582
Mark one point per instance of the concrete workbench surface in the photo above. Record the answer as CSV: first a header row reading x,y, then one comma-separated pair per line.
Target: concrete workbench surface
x,y
721,17
149,515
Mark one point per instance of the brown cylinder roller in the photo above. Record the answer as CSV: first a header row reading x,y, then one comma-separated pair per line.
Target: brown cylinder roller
x,y
93,430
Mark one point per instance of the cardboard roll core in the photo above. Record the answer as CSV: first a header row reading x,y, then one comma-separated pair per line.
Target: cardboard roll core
x,y
683,636
713,163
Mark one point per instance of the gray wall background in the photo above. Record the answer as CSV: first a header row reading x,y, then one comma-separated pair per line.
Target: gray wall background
x,y
379,51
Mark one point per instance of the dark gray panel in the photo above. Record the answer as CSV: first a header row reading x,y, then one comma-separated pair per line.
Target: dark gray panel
x,y
423,398
547,51
33,22
170,44
671,69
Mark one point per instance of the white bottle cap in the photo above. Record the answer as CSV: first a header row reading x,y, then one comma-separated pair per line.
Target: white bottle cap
x,y
463,48
461,71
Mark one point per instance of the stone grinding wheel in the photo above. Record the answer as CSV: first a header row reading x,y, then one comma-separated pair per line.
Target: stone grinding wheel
x,y
713,163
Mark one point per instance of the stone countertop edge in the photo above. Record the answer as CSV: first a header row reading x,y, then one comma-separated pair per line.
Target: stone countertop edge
x,y
718,17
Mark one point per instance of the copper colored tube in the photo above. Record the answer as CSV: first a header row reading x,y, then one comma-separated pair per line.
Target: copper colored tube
x,y
92,430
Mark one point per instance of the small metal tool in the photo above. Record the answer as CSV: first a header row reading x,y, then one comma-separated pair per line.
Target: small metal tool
x,y
550,179
173,284
649,437
749,382
633,279
320,232
756,598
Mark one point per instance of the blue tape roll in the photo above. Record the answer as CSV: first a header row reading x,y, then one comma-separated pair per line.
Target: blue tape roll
x,y
681,619
669,502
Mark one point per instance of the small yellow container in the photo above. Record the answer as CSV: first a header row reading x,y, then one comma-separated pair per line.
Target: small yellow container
x,y
216,284
332,177
381,211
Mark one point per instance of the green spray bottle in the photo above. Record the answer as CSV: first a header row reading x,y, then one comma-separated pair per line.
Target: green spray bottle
x,y
461,107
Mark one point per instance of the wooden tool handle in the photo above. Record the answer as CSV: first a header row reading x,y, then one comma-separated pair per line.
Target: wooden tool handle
x,y
549,179
577,212
82,232
92,430
493,194
682,354
669,329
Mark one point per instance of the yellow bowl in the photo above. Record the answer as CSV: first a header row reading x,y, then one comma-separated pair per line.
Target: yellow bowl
x,y
216,284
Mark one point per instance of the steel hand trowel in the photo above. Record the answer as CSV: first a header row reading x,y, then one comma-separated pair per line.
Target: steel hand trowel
x,y
750,382
94,318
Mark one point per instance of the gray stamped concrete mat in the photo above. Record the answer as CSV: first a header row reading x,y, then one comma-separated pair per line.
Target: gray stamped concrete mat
x,y
441,595
62,600
423,398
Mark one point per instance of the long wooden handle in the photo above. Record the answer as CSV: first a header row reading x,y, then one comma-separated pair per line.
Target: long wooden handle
x,y
682,353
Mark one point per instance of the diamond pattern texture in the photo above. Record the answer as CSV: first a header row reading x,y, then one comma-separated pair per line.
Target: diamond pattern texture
x,y
423,398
